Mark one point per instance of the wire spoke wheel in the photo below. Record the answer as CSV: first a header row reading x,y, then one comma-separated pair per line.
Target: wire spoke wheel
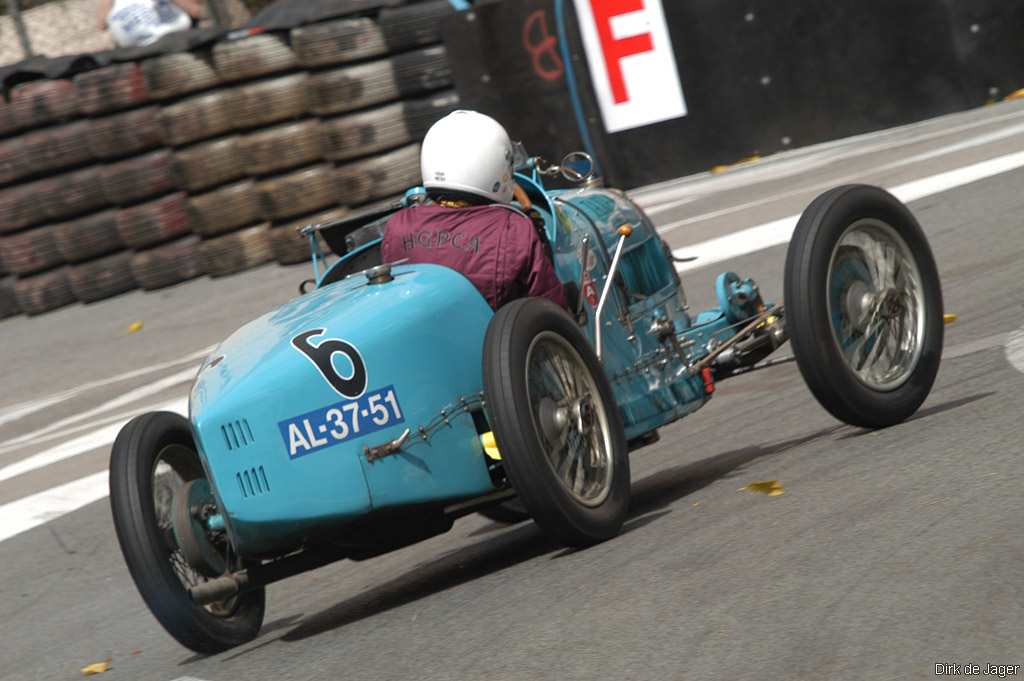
x,y
556,422
572,424
153,463
864,306
876,303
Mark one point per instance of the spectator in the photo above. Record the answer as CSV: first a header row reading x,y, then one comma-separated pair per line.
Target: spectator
x,y
141,22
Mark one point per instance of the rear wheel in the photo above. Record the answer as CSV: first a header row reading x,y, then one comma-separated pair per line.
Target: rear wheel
x,y
153,461
864,306
556,422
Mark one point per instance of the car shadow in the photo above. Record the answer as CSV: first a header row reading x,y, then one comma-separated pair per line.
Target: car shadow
x,y
667,486
491,555
926,413
521,543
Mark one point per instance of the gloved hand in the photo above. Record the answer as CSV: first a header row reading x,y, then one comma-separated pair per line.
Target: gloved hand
x,y
538,219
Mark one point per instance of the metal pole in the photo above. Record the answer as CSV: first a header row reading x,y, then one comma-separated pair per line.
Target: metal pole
x,y
19,26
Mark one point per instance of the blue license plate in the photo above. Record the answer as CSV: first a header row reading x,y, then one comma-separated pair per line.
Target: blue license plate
x,y
341,422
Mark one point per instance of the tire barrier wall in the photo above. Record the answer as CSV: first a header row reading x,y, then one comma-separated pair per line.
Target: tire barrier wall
x,y
145,173
758,78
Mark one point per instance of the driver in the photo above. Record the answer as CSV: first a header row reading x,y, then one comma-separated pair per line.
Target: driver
x,y
469,224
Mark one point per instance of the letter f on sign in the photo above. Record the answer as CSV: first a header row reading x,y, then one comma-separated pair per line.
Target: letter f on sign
x,y
632,64
615,49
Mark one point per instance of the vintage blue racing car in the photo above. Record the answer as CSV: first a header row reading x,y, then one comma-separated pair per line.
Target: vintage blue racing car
x,y
376,408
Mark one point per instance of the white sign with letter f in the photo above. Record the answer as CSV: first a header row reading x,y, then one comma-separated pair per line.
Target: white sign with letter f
x,y
631,62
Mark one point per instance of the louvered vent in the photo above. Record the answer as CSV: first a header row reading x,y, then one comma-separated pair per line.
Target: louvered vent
x,y
237,434
253,482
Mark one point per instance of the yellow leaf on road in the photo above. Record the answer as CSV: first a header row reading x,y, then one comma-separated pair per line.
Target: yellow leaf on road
x,y
97,668
133,327
949,318
770,487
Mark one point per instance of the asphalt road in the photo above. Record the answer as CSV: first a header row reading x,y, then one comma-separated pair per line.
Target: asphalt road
x,y
891,551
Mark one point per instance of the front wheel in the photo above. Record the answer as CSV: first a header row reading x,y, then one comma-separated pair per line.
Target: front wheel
x,y
556,422
153,461
863,306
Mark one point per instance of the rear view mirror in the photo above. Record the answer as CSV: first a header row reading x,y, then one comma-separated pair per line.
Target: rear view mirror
x,y
577,166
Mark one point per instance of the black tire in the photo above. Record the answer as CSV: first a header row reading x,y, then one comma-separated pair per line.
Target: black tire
x,y
290,246
264,102
178,73
302,191
88,237
252,56
155,222
280,148
8,120
386,127
14,162
124,134
140,499
43,292
31,251
535,421
207,164
845,303
8,300
385,80
20,206
102,278
58,148
111,88
376,177
70,194
137,178
223,209
196,118
42,102
236,252
167,264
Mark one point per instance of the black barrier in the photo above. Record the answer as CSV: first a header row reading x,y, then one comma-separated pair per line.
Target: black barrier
x,y
757,77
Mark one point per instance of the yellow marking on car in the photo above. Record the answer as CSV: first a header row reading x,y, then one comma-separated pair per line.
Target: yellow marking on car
x,y
490,448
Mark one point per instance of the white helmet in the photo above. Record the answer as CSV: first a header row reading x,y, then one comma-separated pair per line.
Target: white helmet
x,y
469,152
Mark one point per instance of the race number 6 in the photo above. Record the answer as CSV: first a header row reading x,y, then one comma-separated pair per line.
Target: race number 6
x,y
322,357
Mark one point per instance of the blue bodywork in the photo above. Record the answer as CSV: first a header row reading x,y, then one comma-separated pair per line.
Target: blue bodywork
x,y
292,447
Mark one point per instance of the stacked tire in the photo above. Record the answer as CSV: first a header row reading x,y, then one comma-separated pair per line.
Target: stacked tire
x,y
211,161
46,177
377,84
277,147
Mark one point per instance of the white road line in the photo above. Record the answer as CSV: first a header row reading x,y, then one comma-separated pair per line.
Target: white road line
x,y
835,182
34,510
780,231
21,410
39,508
101,437
1015,350
130,397
666,195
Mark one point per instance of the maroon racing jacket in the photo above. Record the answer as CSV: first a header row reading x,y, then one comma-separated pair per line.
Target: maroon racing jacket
x,y
494,246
